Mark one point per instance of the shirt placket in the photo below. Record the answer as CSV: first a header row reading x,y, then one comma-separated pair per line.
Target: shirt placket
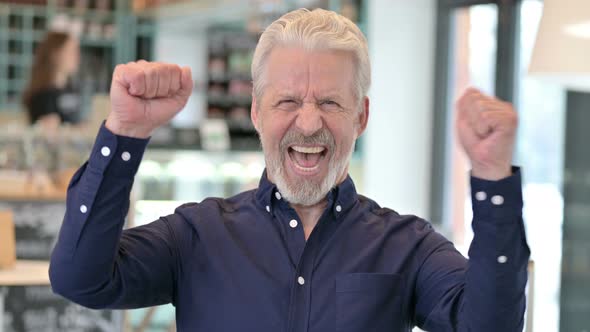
x,y
303,255
294,238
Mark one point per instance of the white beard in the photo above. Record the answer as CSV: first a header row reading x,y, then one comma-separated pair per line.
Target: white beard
x,y
306,192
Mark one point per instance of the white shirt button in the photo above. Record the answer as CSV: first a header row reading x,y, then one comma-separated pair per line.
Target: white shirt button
x,y
338,208
502,259
125,156
293,223
481,195
268,208
83,208
300,281
278,195
497,200
105,151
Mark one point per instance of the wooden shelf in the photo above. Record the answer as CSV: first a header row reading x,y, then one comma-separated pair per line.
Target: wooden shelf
x,y
26,273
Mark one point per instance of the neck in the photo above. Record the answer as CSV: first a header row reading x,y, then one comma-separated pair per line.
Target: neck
x,y
310,215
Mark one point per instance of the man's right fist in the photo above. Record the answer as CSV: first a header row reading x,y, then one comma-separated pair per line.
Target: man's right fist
x,y
146,95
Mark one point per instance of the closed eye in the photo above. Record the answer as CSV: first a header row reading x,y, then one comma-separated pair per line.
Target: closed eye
x,y
287,104
329,103
287,101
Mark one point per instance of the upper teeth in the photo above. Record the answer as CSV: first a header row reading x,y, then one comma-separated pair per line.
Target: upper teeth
x,y
308,149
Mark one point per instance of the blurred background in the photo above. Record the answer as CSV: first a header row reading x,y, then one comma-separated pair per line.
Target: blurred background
x,y
56,62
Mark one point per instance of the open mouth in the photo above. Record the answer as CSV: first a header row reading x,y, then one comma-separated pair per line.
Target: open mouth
x,y
307,158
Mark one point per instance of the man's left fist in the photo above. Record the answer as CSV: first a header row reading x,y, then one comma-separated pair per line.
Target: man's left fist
x,y
486,128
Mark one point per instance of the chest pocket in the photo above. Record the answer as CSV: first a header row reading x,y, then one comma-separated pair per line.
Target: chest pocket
x,y
369,302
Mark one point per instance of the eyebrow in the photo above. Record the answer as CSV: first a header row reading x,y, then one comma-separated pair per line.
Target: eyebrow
x,y
322,97
286,95
330,96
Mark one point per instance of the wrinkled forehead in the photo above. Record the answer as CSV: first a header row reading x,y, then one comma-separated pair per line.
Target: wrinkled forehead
x,y
292,69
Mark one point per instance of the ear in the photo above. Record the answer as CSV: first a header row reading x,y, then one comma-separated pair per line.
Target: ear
x,y
254,113
363,117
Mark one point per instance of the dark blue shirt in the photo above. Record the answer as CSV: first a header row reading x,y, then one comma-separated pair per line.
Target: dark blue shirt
x,y
243,264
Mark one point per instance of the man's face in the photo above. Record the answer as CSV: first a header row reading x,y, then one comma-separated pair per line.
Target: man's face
x,y
308,119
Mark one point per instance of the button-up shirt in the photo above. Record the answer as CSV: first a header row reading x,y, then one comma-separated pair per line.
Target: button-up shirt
x,y
243,263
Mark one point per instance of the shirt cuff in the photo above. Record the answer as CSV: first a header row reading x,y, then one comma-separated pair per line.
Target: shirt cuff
x,y
116,155
502,198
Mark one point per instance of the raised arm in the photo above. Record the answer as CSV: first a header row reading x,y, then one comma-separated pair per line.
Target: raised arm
x,y
487,292
94,262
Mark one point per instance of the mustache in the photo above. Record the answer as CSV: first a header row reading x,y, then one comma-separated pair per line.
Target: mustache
x,y
320,137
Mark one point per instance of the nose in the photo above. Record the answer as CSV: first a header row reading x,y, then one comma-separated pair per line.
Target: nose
x,y
309,119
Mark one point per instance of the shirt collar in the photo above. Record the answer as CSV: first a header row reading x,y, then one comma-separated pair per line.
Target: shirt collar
x,y
341,198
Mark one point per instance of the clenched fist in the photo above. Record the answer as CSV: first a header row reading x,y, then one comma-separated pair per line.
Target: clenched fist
x,y
487,130
146,95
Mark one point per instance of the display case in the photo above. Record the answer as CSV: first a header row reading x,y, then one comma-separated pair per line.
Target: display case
x,y
169,178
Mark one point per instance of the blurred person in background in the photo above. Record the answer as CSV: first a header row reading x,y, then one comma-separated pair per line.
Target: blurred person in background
x,y
49,97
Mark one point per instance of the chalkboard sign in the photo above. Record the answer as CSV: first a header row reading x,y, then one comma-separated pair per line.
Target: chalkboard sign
x,y
36,226
36,308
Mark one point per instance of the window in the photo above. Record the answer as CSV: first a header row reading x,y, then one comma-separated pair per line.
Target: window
x,y
540,150
489,46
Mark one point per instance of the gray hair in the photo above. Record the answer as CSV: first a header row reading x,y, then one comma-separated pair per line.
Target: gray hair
x,y
314,30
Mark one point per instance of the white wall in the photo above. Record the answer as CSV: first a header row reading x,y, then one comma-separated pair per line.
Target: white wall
x,y
397,146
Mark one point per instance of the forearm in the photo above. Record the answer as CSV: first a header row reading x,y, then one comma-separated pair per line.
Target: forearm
x,y
494,296
83,263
